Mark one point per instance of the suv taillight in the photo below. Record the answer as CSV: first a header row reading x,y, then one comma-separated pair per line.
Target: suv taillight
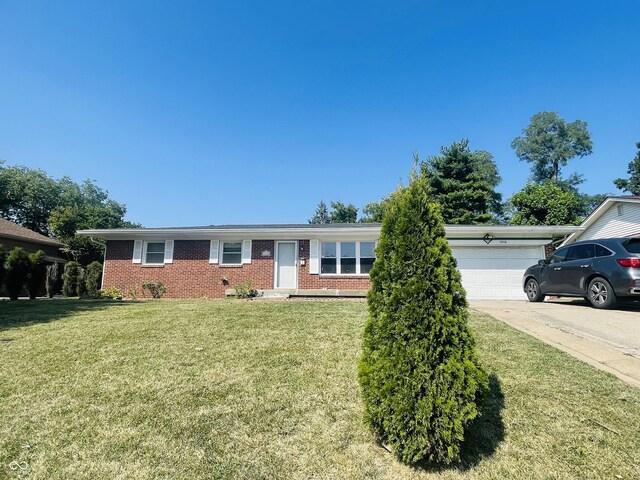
x,y
629,262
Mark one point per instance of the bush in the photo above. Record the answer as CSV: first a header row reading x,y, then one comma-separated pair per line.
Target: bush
x,y
18,268
112,293
51,280
37,273
156,289
93,278
246,290
419,374
2,268
70,279
82,283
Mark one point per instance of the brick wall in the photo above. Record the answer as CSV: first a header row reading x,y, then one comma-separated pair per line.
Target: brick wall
x,y
192,276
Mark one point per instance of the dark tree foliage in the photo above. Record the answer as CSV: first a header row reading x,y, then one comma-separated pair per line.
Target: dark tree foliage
x,y
549,142
343,213
70,279
93,278
419,373
51,281
36,274
464,182
3,258
321,215
18,267
549,203
631,184
82,283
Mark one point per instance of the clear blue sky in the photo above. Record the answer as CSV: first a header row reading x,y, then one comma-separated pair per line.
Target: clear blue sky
x,y
197,113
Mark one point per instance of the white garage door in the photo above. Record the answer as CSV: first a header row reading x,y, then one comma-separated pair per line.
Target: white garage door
x,y
495,273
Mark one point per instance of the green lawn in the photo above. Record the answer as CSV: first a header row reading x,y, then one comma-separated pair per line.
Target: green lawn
x,y
241,389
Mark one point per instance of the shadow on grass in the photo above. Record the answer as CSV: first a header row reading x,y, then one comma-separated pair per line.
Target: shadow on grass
x,y
483,435
29,312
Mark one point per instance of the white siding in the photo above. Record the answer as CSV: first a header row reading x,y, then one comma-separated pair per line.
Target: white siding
x,y
610,224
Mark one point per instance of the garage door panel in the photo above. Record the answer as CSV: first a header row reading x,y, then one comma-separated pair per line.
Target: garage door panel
x,y
495,273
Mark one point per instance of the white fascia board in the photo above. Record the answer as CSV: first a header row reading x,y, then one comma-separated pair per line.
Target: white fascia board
x,y
510,231
498,242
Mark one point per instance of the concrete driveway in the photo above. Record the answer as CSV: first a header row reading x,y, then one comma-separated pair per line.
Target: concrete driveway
x,y
607,339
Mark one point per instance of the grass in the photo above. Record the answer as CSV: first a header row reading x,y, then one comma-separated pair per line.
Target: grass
x,y
233,389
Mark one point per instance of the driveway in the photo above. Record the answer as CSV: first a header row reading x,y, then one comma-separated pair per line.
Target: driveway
x,y
607,339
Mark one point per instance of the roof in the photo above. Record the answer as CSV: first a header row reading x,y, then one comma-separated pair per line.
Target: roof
x,y
8,229
323,231
600,210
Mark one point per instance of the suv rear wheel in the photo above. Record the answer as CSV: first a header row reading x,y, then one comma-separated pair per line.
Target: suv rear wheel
x,y
600,293
532,289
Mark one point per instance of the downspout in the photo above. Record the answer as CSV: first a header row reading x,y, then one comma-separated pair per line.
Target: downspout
x,y
104,259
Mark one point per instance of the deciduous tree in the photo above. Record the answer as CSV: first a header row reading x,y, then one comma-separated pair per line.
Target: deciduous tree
x,y
631,184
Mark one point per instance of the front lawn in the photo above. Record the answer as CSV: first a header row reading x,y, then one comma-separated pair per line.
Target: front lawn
x,y
234,389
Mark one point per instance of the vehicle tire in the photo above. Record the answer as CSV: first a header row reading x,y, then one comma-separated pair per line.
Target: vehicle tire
x,y
532,289
600,293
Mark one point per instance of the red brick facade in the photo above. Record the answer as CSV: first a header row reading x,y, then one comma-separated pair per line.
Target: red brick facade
x,y
192,276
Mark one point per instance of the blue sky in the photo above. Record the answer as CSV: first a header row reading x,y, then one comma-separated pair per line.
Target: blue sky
x,y
196,113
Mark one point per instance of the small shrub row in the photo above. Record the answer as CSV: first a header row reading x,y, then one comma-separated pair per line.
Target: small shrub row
x,y
20,270
82,282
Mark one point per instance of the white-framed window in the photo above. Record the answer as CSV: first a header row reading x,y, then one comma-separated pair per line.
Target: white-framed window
x,y
153,253
347,258
231,253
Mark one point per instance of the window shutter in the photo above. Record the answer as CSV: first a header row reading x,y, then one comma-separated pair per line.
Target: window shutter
x,y
137,251
246,251
168,251
313,256
213,251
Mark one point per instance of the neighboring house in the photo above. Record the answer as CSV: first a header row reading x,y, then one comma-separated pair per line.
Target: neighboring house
x,y
198,262
13,235
614,217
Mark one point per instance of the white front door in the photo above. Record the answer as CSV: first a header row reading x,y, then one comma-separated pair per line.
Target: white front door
x,y
286,271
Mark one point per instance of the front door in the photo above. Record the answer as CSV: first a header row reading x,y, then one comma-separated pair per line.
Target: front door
x,y
286,271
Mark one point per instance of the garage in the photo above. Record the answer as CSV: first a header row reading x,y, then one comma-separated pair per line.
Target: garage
x,y
495,273
492,259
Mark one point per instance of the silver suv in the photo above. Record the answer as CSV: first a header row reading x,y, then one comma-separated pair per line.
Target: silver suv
x,y
602,271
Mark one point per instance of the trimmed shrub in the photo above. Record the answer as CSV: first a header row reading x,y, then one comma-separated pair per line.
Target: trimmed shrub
x,y
37,273
18,268
156,289
112,293
419,373
51,280
70,279
93,278
3,271
82,283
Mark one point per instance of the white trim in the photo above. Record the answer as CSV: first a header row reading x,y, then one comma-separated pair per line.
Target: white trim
x,y
314,256
246,251
339,243
168,251
137,251
104,264
214,250
221,254
275,263
144,252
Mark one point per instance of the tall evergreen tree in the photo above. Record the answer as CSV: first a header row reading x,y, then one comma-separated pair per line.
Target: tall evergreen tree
x,y
343,213
321,215
464,182
419,373
631,184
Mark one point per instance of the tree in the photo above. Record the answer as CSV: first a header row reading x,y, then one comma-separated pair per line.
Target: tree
x,y
93,278
464,182
70,279
51,282
549,142
419,373
37,273
2,264
343,213
549,203
321,215
18,267
631,184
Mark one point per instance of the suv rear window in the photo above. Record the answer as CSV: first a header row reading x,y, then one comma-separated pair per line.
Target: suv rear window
x,y
602,251
633,245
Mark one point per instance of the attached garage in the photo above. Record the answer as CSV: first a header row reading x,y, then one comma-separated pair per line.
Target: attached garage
x,y
493,259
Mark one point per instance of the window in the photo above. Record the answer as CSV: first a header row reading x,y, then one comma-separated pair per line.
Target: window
x,y
347,258
620,209
602,251
231,253
367,256
582,251
154,253
633,245
328,260
559,255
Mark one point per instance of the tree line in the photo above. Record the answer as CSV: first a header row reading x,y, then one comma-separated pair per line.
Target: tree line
x,y
463,181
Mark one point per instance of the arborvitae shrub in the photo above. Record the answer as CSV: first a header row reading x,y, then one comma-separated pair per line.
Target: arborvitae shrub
x,y
2,268
93,278
419,373
51,281
82,283
37,273
18,267
70,279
